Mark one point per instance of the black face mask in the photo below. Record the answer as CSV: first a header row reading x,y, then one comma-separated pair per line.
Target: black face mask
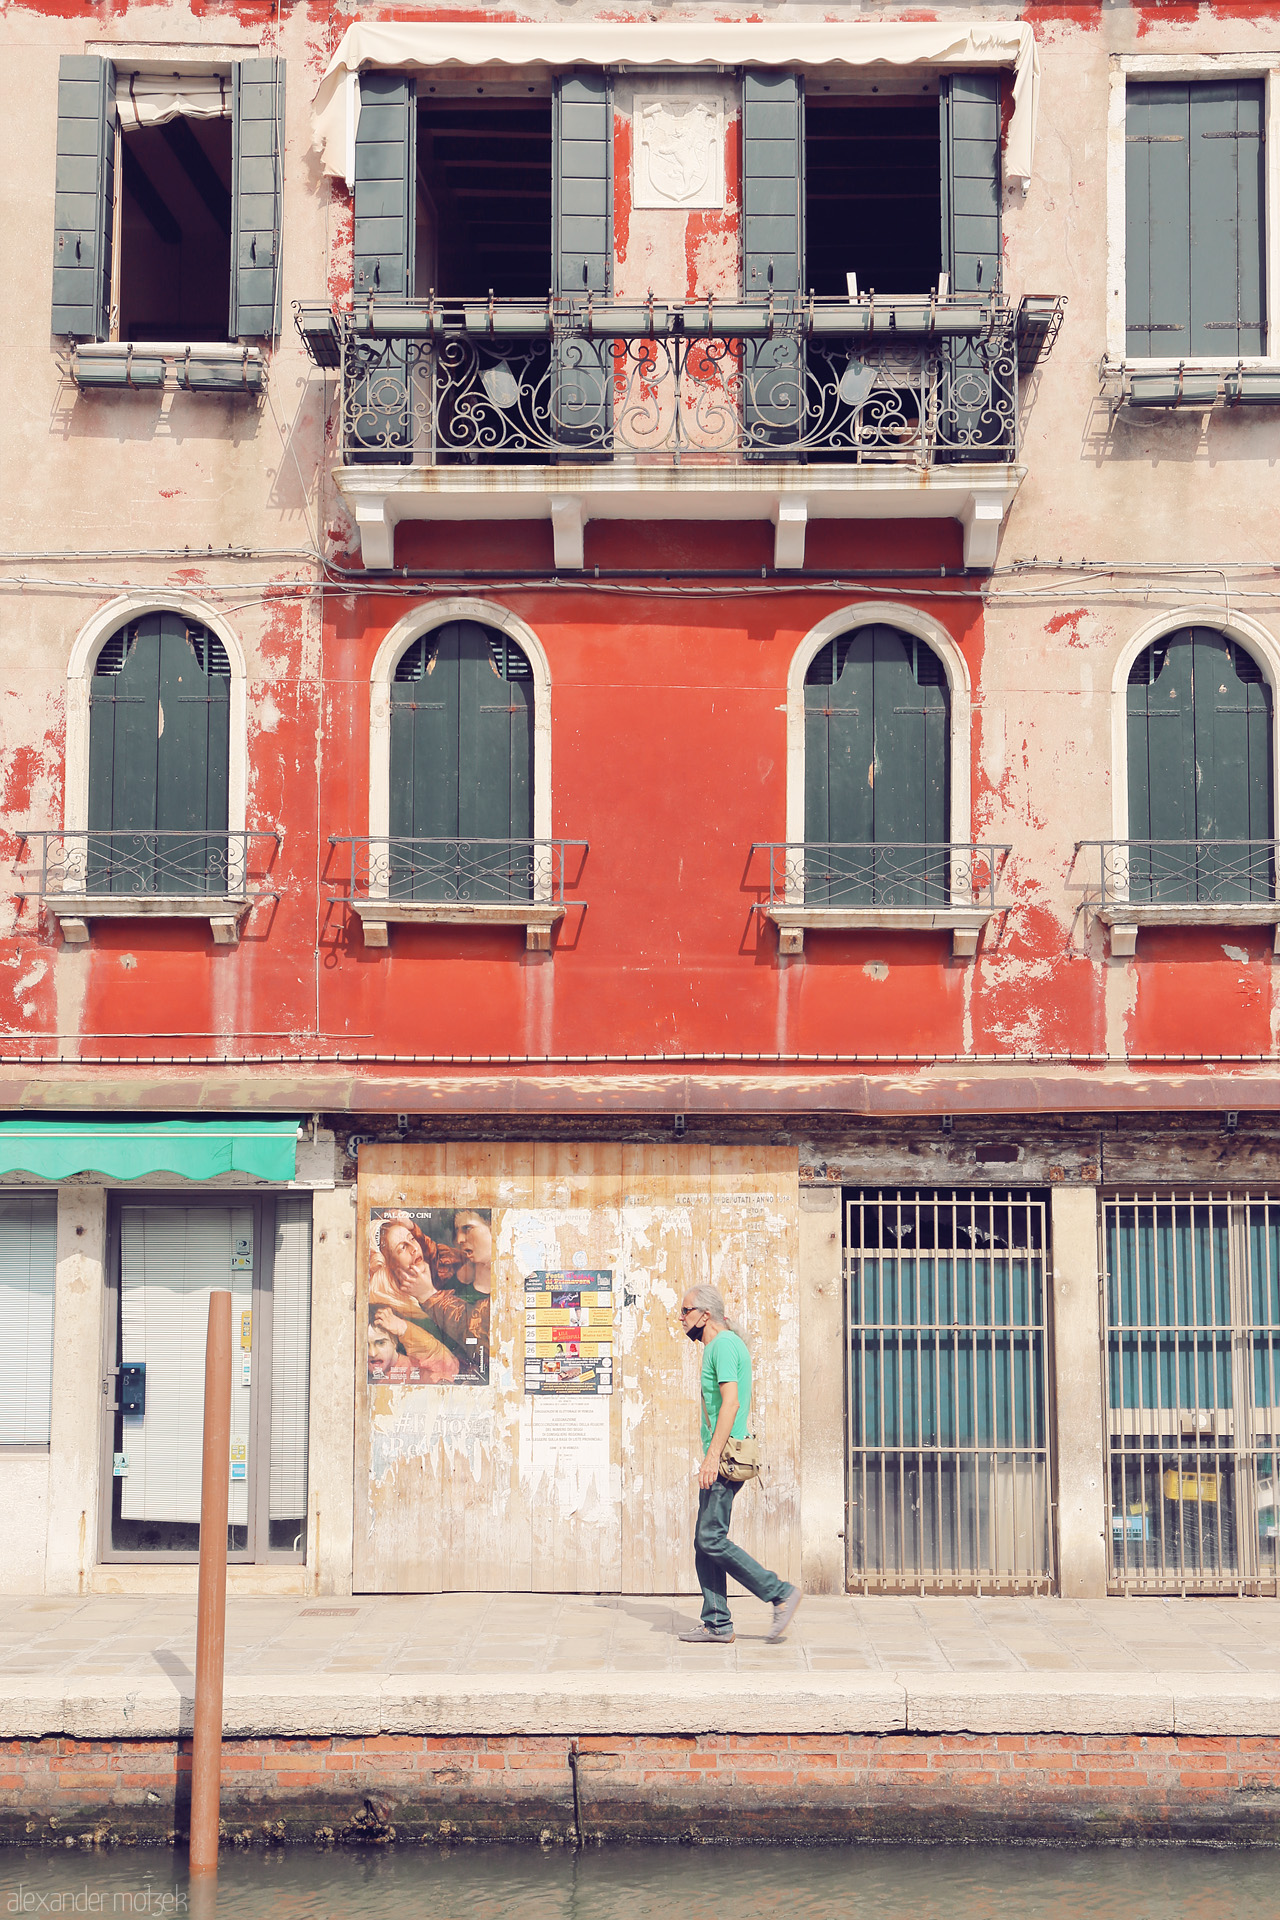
x,y
693,1333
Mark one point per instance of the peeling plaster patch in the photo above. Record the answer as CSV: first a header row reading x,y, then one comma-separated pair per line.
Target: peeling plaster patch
x,y
876,970
128,961
268,715
1068,626
1236,953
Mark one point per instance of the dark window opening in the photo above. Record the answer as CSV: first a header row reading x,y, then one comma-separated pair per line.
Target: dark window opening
x,y
484,197
873,195
175,231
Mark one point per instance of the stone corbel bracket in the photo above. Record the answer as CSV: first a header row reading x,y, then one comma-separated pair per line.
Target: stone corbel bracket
x,y
74,911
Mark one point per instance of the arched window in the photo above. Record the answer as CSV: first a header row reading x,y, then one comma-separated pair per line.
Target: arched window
x,y
461,774
1200,770
877,771
159,733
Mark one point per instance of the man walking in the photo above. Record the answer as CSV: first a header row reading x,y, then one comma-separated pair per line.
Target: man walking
x,y
726,1410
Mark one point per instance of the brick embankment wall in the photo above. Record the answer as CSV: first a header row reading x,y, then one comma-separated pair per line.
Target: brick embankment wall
x,y
711,1787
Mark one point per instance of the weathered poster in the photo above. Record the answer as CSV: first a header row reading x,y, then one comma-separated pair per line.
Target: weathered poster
x,y
430,1279
568,1332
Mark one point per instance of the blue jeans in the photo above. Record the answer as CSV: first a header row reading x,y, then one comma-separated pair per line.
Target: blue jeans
x,y
715,1556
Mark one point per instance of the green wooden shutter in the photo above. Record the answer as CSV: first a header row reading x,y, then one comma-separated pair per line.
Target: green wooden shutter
x,y
1200,768
84,184
159,713
378,409
773,248
877,757
969,108
582,183
462,765
385,184
257,158
969,105
582,248
1194,245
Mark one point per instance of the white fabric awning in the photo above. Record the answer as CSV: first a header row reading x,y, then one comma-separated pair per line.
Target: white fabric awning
x,y
556,46
149,99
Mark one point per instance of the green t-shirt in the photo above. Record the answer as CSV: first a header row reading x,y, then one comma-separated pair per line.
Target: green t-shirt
x,y
725,1358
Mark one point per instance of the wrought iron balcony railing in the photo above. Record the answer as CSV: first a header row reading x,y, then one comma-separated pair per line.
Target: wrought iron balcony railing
x,y
165,863
1185,873
464,872
439,382
424,881
872,874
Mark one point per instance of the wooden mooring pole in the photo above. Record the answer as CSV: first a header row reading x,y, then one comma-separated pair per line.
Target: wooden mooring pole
x,y
211,1605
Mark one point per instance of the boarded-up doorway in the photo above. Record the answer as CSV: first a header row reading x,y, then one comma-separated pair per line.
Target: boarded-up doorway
x,y
471,1482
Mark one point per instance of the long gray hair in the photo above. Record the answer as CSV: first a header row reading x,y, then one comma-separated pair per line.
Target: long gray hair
x,y
705,1299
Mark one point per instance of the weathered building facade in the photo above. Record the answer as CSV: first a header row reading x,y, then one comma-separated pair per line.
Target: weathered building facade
x,y
638,651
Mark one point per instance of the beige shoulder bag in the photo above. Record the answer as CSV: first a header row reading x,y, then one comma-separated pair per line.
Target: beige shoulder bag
x,y
740,1459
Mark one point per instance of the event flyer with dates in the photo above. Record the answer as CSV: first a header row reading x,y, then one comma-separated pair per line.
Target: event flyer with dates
x,y
568,1332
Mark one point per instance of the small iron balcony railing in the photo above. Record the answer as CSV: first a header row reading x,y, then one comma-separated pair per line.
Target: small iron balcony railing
x,y
1153,873
454,382
471,871
174,863
861,873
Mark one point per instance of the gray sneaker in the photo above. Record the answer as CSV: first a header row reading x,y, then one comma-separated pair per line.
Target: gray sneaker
x,y
719,1636
782,1613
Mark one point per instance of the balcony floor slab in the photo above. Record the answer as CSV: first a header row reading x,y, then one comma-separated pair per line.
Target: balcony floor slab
x,y
978,495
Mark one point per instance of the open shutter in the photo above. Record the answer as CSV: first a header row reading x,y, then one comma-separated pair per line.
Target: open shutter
x,y
1194,243
379,413
83,191
772,248
970,113
385,184
975,409
582,248
257,148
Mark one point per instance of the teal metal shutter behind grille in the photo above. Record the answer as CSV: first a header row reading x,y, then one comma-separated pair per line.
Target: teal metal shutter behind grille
x,y
159,736
83,192
462,765
773,247
385,184
1194,245
969,105
257,149
1200,768
582,248
877,754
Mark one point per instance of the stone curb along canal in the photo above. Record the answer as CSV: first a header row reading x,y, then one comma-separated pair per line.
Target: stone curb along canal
x,y
937,1756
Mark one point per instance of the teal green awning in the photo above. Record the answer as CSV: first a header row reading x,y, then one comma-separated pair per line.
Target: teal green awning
x,y
130,1149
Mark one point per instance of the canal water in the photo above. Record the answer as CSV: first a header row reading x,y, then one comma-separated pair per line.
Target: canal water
x,y
661,1883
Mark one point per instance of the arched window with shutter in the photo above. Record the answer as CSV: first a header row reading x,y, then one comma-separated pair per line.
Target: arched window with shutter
x,y
877,771
159,736
1201,772
461,777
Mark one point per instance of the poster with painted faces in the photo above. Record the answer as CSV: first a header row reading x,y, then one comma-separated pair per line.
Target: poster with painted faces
x,y
429,1285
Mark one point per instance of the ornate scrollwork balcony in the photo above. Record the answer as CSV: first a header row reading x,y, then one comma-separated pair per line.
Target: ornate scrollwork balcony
x,y
575,408
444,382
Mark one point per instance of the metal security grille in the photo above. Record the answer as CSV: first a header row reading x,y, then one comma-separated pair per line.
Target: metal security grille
x,y
950,1466
1192,1345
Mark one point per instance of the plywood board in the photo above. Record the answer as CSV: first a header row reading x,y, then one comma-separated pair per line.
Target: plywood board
x,y
467,1486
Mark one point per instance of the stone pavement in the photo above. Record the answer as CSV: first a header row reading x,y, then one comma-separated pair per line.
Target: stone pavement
x,y
81,1641
479,1664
